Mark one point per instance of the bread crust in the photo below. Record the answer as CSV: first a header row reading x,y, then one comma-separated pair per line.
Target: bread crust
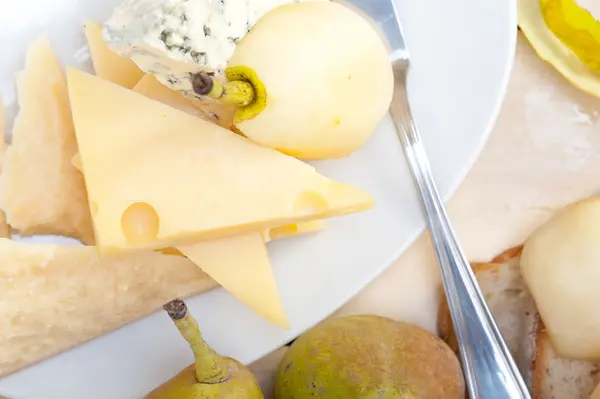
x,y
444,321
546,375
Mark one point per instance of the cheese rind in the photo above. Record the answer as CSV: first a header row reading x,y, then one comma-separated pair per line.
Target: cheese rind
x,y
40,191
108,64
201,181
243,269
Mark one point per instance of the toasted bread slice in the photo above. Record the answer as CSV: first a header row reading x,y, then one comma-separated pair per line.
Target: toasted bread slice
x,y
558,378
546,375
509,302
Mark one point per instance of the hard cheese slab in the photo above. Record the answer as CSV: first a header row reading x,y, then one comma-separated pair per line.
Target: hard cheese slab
x,y
39,189
55,297
108,64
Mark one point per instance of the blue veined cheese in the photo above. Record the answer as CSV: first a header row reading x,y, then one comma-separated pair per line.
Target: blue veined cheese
x,y
175,39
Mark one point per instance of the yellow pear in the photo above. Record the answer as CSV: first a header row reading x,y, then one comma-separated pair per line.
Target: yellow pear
x,y
211,375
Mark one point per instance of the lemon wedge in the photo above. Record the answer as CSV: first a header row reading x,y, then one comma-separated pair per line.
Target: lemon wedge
x,y
567,36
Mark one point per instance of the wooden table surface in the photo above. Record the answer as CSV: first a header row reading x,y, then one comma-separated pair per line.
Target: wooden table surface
x,y
543,154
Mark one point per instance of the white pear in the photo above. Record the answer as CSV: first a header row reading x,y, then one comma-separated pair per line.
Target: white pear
x,y
327,78
561,266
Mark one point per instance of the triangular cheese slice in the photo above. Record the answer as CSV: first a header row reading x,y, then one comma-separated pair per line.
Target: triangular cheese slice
x,y
150,87
108,64
240,264
158,177
248,277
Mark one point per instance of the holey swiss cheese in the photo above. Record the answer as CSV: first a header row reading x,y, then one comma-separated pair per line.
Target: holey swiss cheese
x,y
158,177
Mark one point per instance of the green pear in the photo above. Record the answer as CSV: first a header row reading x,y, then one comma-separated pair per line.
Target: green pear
x,y
211,376
369,357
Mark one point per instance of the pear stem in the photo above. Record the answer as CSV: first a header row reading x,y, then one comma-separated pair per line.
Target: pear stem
x,y
210,366
236,92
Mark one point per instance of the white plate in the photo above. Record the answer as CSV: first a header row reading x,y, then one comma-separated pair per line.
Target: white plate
x,y
462,51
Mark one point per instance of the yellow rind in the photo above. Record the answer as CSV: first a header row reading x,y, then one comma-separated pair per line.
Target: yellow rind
x,y
550,49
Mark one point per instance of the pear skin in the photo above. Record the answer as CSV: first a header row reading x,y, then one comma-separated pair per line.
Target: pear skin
x,y
365,357
185,385
211,376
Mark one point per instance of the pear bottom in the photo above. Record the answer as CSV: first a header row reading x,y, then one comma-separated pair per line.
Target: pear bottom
x,y
240,385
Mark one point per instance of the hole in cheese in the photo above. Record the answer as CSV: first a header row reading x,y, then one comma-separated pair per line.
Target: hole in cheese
x,y
139,223
93,208
283,231
170,251
311,202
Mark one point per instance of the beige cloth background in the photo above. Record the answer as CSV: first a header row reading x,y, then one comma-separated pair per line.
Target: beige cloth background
x,y
544,153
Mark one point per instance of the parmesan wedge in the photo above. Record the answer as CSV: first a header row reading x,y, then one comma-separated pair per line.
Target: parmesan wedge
x,y
108,64
40,191
4,227
56,297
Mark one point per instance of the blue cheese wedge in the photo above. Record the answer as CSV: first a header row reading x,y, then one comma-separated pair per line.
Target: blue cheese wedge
x,y
175,39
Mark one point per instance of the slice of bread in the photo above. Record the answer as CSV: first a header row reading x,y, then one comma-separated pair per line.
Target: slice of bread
x,y
509,302
558,378
546,375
